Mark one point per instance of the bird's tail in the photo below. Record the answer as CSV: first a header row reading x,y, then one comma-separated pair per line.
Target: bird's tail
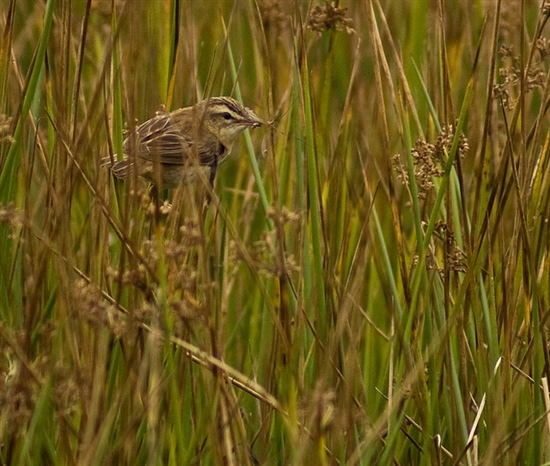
x,y
119,168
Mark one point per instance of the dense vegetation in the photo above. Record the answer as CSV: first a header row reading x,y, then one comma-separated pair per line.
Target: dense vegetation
x,y
369,282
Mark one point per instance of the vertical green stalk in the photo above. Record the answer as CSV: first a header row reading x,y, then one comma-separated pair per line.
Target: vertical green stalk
x,y
314,203
8,177
301,198
172,47
9,263
250,147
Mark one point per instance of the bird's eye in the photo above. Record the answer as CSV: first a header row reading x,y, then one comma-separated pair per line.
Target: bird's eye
x,y
226,116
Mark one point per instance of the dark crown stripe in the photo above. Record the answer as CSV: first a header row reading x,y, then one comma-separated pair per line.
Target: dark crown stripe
x,y
226,104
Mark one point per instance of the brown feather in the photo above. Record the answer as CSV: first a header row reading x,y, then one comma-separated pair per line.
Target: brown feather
x,y
185,140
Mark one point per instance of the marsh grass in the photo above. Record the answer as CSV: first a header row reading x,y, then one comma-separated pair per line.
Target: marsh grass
x,y
370,281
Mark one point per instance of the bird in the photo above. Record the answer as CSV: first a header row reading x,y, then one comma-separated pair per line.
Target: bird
x,y
171,148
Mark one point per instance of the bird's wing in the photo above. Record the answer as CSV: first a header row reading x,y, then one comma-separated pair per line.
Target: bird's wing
x,y
159,139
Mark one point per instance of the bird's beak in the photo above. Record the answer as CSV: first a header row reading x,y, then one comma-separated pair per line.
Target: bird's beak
x,y
253,120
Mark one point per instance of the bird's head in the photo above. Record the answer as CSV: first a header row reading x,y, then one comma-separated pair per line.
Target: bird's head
x,y
226,118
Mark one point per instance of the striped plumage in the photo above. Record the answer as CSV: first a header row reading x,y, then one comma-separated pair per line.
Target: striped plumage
x,y
170,148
